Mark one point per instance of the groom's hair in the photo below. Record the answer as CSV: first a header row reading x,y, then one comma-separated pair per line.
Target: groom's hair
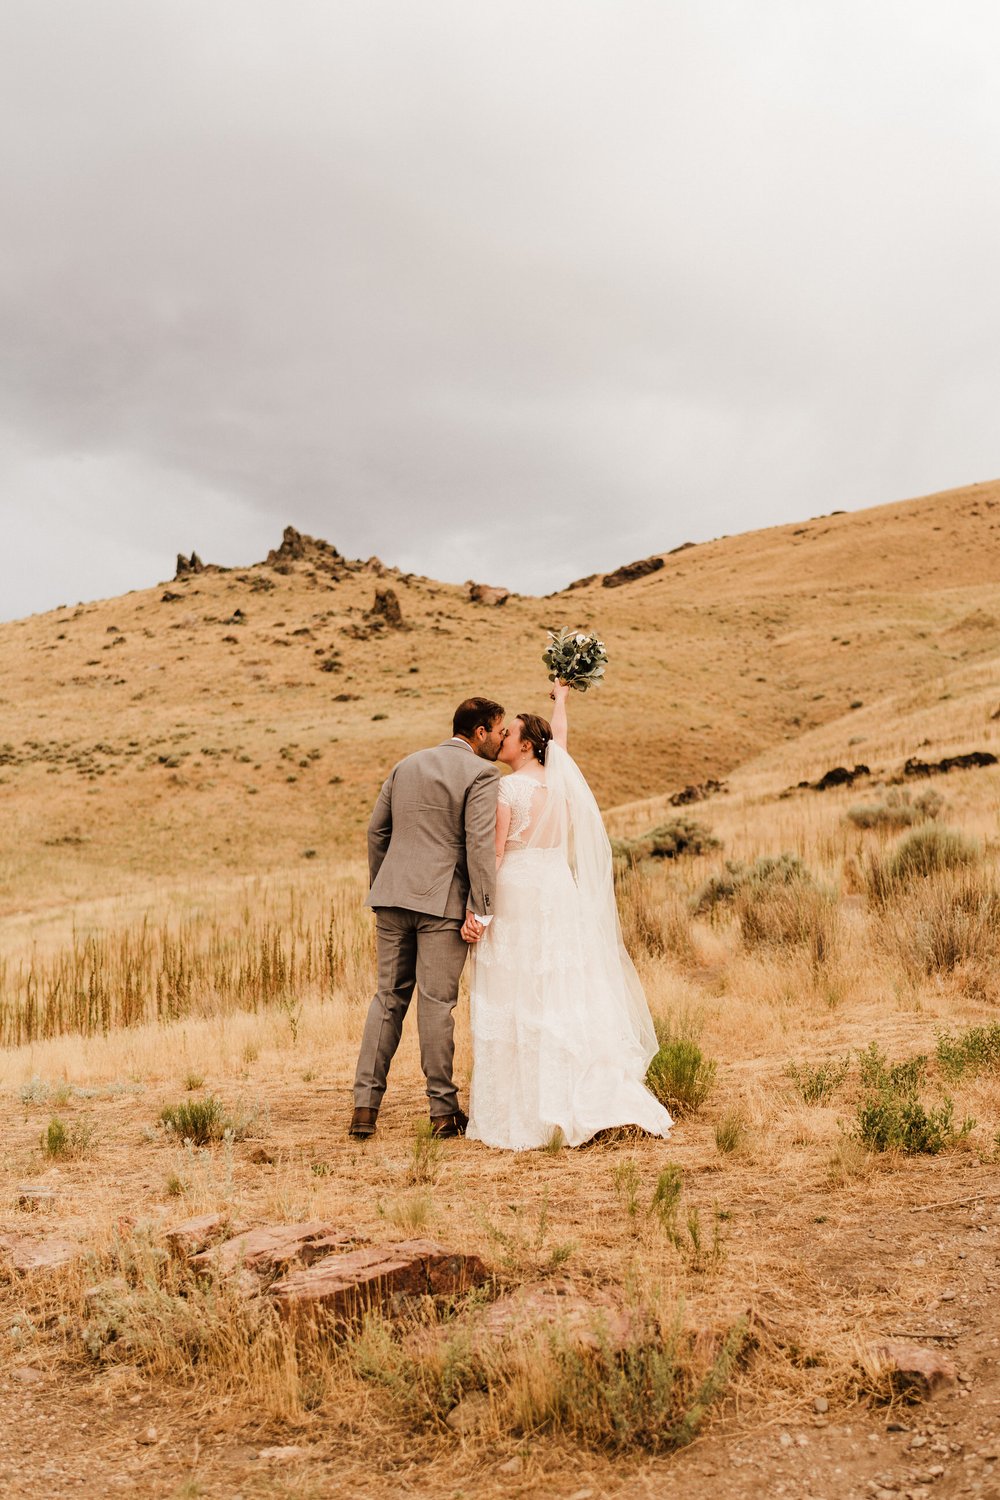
x,y
473,712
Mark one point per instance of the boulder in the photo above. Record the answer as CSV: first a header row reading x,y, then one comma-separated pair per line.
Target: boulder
x,y
24,1254
485,593
383,1276
916,1371
271,1249
629,572
595,1322
195,1235
838,776
975,759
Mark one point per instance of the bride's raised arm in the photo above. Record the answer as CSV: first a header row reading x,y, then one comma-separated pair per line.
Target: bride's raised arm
x,y
560,722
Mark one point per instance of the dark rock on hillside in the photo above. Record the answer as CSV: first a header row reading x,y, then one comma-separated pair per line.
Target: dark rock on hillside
x,y
836,776
485,593
682,548
629,572
386,608
971,761
188,565
696,793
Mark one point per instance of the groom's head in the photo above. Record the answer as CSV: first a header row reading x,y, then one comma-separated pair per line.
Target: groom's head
x,y
480,721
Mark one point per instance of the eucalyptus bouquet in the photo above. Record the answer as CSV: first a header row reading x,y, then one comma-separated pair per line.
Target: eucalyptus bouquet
x,y
575,658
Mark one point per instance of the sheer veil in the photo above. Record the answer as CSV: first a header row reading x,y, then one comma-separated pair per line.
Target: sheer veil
x,y
570,819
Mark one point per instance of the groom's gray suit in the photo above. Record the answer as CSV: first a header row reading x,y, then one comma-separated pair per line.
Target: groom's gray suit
x,y
431,854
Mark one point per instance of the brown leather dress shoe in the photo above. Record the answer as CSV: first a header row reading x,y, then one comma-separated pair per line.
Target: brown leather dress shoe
x,y
363,1122
443,1127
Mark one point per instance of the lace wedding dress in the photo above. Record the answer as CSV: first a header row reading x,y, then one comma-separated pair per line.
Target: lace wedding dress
x,y
561,1032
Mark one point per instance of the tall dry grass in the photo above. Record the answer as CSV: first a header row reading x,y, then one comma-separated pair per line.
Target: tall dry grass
x,y
279,951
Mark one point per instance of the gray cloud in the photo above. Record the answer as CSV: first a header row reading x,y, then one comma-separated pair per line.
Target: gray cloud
x,y
516,291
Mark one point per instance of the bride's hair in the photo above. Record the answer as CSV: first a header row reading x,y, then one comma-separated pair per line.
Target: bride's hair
x,y
536,732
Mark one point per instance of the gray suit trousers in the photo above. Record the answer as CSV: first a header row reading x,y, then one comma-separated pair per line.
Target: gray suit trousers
x,y
428,953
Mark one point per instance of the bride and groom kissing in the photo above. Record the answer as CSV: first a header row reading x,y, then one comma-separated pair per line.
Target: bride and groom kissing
x,y
517,870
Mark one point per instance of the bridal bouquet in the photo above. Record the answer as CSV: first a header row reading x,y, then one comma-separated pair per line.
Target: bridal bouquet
x,y
575,658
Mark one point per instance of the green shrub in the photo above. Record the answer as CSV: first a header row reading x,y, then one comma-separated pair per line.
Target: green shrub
x,y
681,835
899,1078
55,1139
680,1075
897,811
767,872
818,1083
974,1051
888,1121
891,1116
924,852
197,1120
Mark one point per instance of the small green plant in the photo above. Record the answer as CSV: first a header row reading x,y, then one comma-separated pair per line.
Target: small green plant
x,y
425,1163
891,1116
888,1121
193,1081
524,1249
55,1139
816,1084
667,1197
555,1143
200,1121
680,1075
627,1184
898,1078
176,1187
60,1141
974,1051
730,1132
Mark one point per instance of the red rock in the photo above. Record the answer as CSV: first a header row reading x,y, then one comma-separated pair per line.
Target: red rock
x,y
271,1249
924,1371
194,1235
595,1322
381,1276
25,1254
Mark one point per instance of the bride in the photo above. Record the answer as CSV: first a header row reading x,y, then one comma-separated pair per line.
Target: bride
x,y
561,1032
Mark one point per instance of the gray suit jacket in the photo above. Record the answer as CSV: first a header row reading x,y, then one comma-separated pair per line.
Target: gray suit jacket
x,y
431,838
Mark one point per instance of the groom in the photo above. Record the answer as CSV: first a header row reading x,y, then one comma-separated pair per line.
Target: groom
x,y
432,861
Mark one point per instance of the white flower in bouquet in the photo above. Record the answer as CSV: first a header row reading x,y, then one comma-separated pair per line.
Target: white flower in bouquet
x,y
575,658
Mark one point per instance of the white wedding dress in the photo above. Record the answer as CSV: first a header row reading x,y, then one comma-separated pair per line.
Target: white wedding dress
x,y
561,1032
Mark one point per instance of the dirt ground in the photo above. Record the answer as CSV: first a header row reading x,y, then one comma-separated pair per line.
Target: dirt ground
x,y
867,1261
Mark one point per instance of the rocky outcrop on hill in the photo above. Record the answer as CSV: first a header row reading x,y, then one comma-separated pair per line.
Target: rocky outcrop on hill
x,y
630,572
296,547
385,610
188,565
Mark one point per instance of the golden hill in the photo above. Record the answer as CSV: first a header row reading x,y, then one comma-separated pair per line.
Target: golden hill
x,y
231,722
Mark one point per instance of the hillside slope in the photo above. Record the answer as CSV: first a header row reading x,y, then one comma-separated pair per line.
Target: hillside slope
x,y
231,722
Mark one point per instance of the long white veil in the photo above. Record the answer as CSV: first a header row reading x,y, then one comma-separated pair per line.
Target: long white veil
x,y
570,819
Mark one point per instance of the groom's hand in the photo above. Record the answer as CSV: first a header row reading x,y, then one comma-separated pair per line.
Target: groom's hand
x,y
472,930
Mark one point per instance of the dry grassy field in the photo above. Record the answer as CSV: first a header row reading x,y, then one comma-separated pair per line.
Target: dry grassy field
x,y
184,785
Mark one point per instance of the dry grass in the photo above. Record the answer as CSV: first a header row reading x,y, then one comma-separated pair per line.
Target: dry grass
x,y
186,950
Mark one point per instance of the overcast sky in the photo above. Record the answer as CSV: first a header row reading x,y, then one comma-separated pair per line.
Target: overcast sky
x,y
515,290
